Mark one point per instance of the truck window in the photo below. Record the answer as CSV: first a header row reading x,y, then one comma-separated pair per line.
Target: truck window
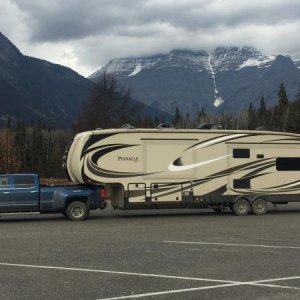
x,y
4,182
24,181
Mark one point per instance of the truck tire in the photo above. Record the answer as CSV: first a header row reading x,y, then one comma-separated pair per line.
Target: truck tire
x,y
259,206
77,211
241,207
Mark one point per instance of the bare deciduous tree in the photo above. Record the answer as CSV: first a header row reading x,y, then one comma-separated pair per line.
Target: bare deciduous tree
x,y
9,159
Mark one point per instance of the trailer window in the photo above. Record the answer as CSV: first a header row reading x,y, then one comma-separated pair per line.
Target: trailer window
x,y
24,181
288,164
241,183
241,153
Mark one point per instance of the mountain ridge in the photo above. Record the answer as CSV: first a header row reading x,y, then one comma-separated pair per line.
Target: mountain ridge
x,y
222,80
36,90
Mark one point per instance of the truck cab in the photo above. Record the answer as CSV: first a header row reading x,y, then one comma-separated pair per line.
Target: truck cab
x,y
19,192
22,193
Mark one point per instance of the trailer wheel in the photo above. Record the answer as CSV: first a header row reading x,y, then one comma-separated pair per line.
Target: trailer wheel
x,y
259,206
241,207
77,211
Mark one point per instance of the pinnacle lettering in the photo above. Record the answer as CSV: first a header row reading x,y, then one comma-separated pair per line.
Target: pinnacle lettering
x,y
128,158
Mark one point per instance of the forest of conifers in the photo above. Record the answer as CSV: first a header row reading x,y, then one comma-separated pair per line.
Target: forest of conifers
x,y
37,148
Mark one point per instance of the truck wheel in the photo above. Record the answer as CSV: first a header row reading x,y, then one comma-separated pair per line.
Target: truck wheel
x,y
241,207
259,206
77,211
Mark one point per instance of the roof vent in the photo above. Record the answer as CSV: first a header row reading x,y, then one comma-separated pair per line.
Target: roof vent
x,y
164,125
205,126
127,126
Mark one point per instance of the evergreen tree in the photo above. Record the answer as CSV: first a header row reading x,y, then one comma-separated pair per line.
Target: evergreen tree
x,y
177,121
251,117
282,98
282,111
187,121
294,115
201,118
262,113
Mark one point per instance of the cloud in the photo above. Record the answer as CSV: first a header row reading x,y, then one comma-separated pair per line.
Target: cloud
x,y
72,19
88,33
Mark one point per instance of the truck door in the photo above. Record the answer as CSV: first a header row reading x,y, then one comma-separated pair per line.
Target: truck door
x,y
25,196
5,193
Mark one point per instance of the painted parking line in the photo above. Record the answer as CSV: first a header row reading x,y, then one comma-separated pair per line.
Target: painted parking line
x,y
173,291
199,289
234,245
225,283
273,286
118,273
260,283
277,279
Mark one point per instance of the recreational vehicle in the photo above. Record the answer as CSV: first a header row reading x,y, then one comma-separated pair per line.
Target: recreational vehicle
x,y
172,168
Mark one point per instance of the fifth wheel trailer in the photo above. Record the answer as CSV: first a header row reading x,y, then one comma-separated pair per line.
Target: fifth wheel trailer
x,y
171,168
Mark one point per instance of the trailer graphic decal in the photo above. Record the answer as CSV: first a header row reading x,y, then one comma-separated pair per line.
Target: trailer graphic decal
x,y
107,149
253,174
91,162
175,167
94,138
218,140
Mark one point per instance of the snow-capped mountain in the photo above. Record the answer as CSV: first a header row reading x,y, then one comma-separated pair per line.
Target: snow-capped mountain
x,y
227,79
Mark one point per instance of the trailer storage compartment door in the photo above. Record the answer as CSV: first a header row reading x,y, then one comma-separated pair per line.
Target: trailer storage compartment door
x,y
166,192
136,192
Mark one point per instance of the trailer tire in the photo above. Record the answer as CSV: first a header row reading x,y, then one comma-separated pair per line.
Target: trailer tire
x,y
259,206
77,211
241,207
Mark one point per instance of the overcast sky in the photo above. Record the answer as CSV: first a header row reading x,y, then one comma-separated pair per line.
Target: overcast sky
x,y
86,34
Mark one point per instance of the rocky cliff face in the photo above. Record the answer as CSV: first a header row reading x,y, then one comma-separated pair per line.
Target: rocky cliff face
x,y
227,79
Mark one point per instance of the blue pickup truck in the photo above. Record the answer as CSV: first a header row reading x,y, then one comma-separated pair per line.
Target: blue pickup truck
x,y
22,193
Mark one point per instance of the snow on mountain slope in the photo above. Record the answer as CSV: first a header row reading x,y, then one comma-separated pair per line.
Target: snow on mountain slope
x,y
260,62
225,79
127,66
296,62
221,59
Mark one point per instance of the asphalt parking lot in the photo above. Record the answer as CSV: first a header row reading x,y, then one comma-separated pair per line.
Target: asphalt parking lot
x,y
179,254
